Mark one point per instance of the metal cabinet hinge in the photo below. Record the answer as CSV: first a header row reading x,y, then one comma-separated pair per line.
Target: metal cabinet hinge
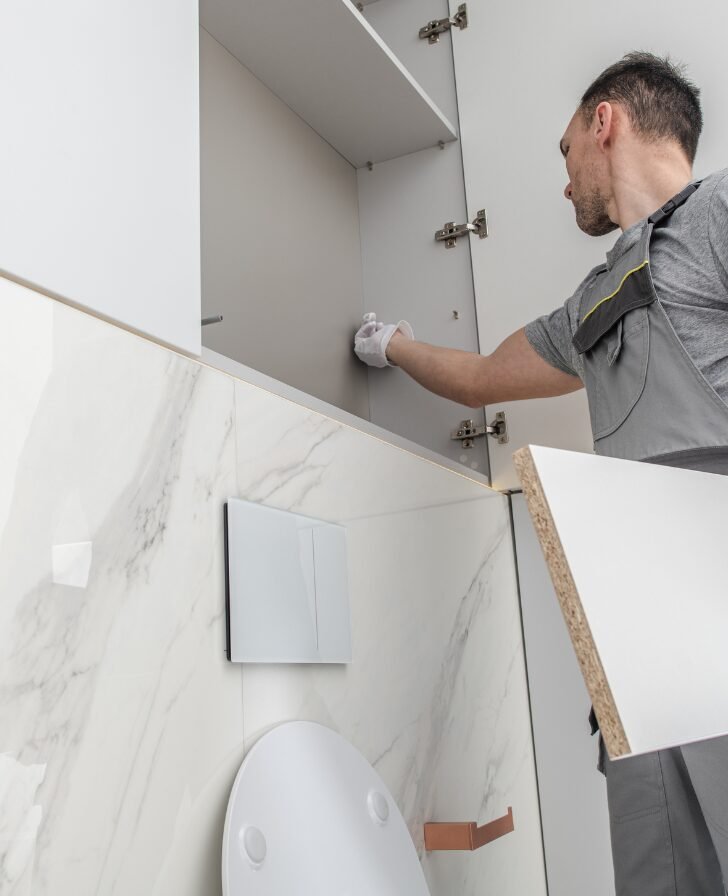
x,y
432,30
451,231
468,431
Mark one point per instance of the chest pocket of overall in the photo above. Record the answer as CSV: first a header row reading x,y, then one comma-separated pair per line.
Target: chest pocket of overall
x,y
615,366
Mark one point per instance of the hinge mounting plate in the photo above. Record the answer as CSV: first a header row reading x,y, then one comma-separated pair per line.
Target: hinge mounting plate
x,y
468,431
451,231
432,30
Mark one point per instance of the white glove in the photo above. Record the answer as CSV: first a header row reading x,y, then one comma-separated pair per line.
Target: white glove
x,y
372,338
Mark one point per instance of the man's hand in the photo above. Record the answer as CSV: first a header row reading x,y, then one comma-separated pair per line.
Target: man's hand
x,y
372,339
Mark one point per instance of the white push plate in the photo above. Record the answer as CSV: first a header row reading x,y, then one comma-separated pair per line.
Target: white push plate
x,y
287,590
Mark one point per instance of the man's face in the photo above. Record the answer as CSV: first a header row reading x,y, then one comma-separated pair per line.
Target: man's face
x,y
588,181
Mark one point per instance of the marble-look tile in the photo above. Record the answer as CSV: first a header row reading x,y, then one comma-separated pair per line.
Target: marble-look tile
x,y
121,721
489,744
436,696
296,459
118,711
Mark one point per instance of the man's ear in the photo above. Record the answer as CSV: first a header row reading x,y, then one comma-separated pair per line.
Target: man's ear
x,y
602,124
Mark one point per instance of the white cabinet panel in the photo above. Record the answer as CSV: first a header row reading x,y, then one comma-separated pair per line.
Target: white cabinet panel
x,y
407,275
99,161
637,555
323,59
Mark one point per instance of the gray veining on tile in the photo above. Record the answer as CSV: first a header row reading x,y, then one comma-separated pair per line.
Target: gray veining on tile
x,y
122,723
107,688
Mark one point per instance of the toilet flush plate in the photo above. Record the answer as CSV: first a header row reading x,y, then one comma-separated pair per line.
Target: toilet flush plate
x,y
287,591
309,816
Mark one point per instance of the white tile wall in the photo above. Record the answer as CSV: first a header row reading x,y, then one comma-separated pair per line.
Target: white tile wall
x,y
121,723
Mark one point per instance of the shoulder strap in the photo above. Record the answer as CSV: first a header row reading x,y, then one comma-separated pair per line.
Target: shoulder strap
x,y
669,207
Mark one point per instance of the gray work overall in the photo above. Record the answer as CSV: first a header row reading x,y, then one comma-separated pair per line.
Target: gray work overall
x,y
649,402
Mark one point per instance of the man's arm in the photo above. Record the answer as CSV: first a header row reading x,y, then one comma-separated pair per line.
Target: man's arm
x,y
514,371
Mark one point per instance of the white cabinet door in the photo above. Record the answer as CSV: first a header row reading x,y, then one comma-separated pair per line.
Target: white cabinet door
x,y
406,273
631,656
520,71
99,160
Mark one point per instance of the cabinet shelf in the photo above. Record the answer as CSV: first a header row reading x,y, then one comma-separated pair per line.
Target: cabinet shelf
x,y
324,60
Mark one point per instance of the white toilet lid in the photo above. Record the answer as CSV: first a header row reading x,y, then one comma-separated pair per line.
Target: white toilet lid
x,y
308,816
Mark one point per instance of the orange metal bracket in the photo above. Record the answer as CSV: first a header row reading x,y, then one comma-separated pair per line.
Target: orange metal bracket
x,y
466,834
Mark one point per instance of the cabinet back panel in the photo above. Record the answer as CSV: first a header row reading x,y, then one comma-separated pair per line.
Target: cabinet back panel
x,y
281,259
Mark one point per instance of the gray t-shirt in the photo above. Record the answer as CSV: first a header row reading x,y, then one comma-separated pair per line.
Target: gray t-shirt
x,y
689,266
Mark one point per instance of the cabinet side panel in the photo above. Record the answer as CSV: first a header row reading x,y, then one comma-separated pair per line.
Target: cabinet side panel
x,y
99,161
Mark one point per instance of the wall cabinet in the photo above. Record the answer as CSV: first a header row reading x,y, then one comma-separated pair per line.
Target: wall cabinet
x,y
300,234
102,201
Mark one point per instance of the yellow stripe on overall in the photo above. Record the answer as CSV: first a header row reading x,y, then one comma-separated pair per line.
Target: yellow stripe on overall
x,y
607,298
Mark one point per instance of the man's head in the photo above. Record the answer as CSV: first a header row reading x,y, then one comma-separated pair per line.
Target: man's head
x,y
640,105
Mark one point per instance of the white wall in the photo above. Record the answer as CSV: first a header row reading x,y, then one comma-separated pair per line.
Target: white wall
x,y
280,238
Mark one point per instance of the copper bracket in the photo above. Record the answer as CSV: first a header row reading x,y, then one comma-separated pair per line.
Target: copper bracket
x,y
466,834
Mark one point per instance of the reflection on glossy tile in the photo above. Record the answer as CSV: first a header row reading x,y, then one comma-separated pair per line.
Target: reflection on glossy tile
x,y
20,818
72,563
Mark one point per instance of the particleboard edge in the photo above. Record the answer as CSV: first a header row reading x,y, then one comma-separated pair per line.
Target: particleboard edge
x,y
587,654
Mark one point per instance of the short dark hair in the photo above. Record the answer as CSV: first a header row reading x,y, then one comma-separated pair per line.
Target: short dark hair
x,y
660,101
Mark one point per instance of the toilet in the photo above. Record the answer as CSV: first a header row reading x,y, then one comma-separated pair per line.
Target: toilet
x,y
308,816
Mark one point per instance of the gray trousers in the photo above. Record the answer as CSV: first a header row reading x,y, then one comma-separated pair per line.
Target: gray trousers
x,y
668,814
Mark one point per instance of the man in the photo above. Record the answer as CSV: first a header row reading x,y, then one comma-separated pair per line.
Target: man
x,y
647,335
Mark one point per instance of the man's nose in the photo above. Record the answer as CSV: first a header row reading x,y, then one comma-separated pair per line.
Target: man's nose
x,y
567,191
